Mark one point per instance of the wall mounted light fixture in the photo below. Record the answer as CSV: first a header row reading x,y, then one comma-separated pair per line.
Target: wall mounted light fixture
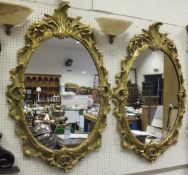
x,y
12,14
112,27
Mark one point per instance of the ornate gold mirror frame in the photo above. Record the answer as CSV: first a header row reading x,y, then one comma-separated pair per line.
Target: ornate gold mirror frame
x,y
154,40
60,26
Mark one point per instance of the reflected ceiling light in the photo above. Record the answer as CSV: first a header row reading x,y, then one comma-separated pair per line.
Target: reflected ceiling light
x,y
12,14
77,42
84,72
112,27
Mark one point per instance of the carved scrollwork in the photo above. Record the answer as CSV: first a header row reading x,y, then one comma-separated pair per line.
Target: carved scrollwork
x,y
58,25
154,40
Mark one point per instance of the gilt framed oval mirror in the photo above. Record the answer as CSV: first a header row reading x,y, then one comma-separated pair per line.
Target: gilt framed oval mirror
x,y
59,92
150,95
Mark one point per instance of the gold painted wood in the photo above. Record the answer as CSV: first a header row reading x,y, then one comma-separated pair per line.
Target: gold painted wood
x,y
59,25
154,40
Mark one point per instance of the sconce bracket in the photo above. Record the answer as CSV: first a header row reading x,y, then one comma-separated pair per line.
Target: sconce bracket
x,y
8,28
111,38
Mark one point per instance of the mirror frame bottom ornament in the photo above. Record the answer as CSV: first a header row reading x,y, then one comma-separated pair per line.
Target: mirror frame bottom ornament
x,y
60,26
154,40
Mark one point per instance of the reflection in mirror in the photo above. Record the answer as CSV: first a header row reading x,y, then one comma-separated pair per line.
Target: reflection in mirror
x,y
62,100
152,103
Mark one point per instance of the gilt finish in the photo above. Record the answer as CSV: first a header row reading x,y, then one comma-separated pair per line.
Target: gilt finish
x,y
154,40
59,25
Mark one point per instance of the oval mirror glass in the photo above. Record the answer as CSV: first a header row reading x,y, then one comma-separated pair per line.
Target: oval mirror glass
x,y
152,103
62,101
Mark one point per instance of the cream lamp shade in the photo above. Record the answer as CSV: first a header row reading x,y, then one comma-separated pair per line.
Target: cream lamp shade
x,y
38,89
12,14
112,27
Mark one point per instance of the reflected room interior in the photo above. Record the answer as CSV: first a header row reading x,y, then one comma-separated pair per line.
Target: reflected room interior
x,y
152,103
62,101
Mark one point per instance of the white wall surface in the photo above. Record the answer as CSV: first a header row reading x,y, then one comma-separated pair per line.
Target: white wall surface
x,y
167,11
111,158
83,4
51,60
146,62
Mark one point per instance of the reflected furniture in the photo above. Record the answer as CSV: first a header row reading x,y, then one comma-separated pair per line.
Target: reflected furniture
x,y
95,96
89,122
72,115
150,100
74,140
132,93
72,87
90,117
134,122
49,85
147,115
147,89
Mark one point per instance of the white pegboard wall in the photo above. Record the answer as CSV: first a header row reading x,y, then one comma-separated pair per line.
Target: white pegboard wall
x,y
111,158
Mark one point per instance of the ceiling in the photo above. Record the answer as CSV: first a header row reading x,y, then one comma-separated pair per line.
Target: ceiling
x,y
68,43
